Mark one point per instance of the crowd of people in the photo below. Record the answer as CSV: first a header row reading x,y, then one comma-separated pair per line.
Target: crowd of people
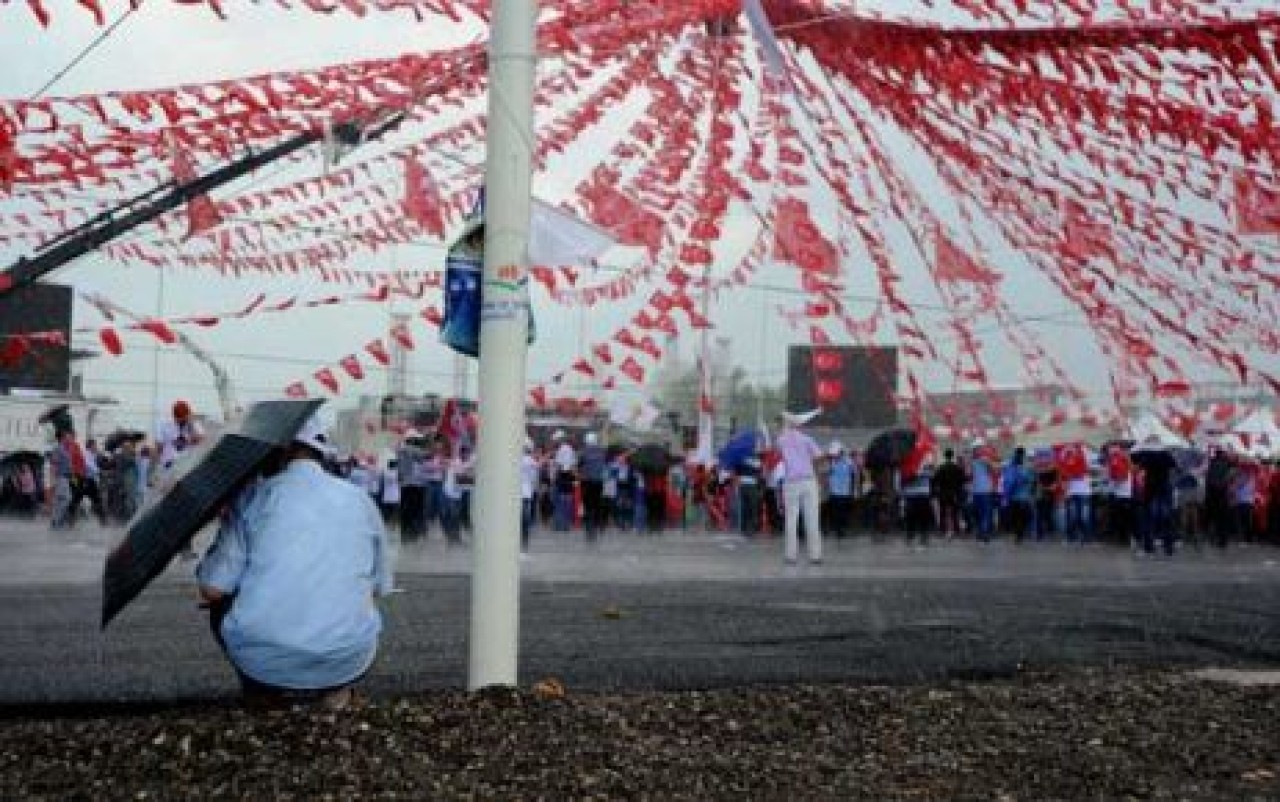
x,y
111,477
1143,494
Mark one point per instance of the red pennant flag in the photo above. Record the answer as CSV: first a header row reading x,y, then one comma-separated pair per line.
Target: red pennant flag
x,y
351,364
111,341
705,405
952,264
632,370
159,330
584,367
400,333
1257,207
602,353
1176,388
378,350
327,380
648,346
539,396
1085,237
432,315
14,349
296,390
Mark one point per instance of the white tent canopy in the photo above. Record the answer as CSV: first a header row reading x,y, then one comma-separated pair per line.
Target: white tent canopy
x,y
1148,426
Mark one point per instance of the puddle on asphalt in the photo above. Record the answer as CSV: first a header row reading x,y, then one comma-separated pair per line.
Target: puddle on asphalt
x,y
1246,678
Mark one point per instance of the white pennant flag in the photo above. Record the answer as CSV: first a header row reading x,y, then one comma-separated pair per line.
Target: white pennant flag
x,y
558,239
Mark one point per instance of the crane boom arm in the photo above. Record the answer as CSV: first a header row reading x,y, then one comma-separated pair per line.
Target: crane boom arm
x,y
105,227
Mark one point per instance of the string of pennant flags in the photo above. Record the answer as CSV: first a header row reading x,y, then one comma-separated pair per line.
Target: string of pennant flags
x,y
1155,215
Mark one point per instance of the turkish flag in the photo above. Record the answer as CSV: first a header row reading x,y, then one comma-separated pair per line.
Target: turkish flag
x,y
1072,462
798,239
202,213
914,459
1257,207
422,200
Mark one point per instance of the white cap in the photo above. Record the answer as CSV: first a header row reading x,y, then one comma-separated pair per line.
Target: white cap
x,y
314,434
590,438
801,418
835,449
558,434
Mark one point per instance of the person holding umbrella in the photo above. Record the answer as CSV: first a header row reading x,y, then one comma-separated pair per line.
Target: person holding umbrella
x,y
800,492
291,579
1157,465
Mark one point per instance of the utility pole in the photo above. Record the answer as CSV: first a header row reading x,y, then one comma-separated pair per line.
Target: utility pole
x,y
504,328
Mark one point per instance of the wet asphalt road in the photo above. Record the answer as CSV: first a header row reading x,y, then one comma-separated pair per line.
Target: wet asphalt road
x,y
676,612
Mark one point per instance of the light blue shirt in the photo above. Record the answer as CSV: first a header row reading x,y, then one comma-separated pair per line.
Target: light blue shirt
x,y
305,554
840,479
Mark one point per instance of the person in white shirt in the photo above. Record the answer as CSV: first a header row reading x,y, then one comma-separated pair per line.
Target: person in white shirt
x,y
800,492
292,577
565,465
389,493
459,478
529,469
177,434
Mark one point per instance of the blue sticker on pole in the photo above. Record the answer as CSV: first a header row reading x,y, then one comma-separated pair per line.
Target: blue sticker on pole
x,y
464,305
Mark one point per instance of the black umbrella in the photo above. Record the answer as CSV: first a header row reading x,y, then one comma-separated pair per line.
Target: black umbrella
x,y
194,497
121,436
58,416
651,458
889,448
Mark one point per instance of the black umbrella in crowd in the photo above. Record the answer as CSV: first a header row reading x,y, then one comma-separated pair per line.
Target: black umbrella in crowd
x,y
193,495
121,436
651,458
889,448
58,416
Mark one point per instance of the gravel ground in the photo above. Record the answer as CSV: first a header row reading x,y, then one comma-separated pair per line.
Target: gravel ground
x,y
1088,734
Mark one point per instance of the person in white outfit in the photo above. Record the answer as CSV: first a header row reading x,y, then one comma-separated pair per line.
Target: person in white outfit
x,y
800,493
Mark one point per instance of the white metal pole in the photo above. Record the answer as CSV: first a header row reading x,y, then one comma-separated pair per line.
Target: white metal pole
x,y
495,574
